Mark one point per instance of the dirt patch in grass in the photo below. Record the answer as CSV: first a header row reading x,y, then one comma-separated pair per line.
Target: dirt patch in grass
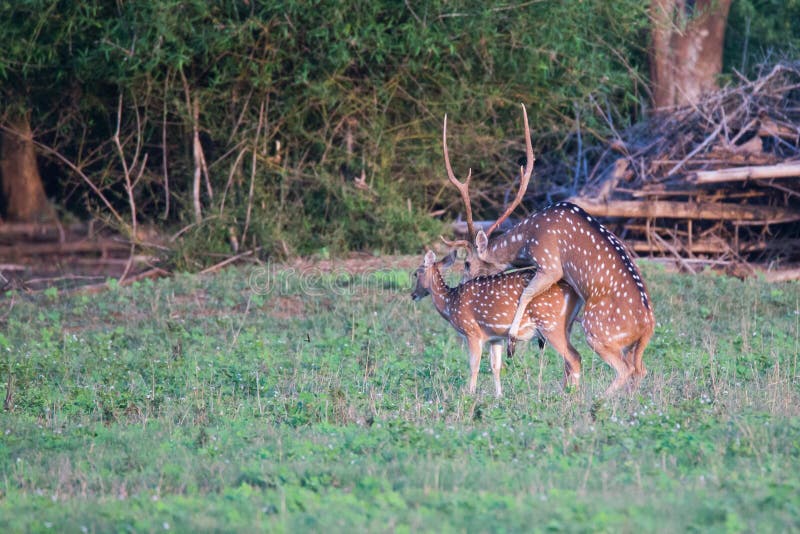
x,y
286,307
356,263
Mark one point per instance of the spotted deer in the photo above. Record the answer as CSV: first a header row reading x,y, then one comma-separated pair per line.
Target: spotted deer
x,y
565,243
481,310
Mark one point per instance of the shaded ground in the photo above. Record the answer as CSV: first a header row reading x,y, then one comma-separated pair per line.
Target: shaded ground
x,y
34,257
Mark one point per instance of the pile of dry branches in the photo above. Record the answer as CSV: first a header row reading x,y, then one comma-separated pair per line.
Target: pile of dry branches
x,y
713,184
35,256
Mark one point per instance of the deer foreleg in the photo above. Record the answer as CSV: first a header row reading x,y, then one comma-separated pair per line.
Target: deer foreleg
x,y
475,348
496,359
538,284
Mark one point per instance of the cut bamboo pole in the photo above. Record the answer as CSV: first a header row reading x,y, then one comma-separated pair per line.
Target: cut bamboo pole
x,y
738,174
40,249
686,210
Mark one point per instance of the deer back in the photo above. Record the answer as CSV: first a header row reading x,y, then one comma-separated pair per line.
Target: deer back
x,y
563,237
487,305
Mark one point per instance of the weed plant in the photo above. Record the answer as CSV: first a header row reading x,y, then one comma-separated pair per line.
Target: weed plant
x,y
288,401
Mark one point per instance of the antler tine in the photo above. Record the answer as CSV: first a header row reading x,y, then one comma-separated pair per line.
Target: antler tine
x,y
463,187
462,243
524,176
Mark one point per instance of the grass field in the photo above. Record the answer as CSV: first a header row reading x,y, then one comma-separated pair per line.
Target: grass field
x,y
293,401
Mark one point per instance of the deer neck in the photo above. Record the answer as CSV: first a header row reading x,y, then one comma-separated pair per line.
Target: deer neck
x,y
504,249
441,294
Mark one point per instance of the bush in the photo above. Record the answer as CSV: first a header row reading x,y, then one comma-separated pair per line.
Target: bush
x,y
293,104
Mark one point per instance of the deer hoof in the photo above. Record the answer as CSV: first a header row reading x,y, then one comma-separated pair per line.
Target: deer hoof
x,y
511,347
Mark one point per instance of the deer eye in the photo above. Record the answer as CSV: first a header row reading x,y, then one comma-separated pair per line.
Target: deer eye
x,y
466,266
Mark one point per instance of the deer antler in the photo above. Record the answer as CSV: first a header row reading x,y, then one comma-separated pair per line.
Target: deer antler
x,y
460,243
463,187
524,176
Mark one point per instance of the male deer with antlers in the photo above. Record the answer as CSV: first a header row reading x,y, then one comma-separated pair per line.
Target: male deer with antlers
x,y
481,310
564,242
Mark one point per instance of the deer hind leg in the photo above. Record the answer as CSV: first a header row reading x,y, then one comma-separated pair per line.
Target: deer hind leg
x,y
572,365
538,285
612,355
496,359
607,337
475,347
603,343
559,340
637,350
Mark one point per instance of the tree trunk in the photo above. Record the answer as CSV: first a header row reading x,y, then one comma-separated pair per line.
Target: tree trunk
x,y
686,54
22,191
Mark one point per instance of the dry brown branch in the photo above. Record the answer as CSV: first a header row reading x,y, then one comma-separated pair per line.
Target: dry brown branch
x,y
696,150
102,246
8,403
193,107
83,176
234,168
660,241
164,151
719,179
262,113
687,210
227,261
784,170
49,281
14,231
188,227
155,272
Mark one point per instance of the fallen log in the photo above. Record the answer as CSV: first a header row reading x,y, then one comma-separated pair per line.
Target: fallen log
x,y
39,231
653,246
714,246
715,211
738,174
153,273
43,249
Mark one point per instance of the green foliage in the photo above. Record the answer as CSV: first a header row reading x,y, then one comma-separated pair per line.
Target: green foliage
x,y
294,400
321,125
761,31
302,101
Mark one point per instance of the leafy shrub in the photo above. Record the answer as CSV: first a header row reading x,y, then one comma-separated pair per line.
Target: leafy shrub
x,y
320,125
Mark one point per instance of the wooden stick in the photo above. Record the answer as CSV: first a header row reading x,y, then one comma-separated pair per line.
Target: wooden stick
x,y
736,174
37,230
155,272
216,267
719,245
660,241
52,280
697,149
41,249
683,210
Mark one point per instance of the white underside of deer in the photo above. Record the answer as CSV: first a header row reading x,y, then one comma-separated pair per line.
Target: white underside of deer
x,y
564,242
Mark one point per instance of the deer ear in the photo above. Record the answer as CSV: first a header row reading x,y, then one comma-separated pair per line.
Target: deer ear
x,y
481,243
449,259
430,258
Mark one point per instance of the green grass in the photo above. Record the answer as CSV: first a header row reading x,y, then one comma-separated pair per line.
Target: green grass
x,y
332,401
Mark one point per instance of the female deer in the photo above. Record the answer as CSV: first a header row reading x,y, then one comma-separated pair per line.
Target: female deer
x,y
482,308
